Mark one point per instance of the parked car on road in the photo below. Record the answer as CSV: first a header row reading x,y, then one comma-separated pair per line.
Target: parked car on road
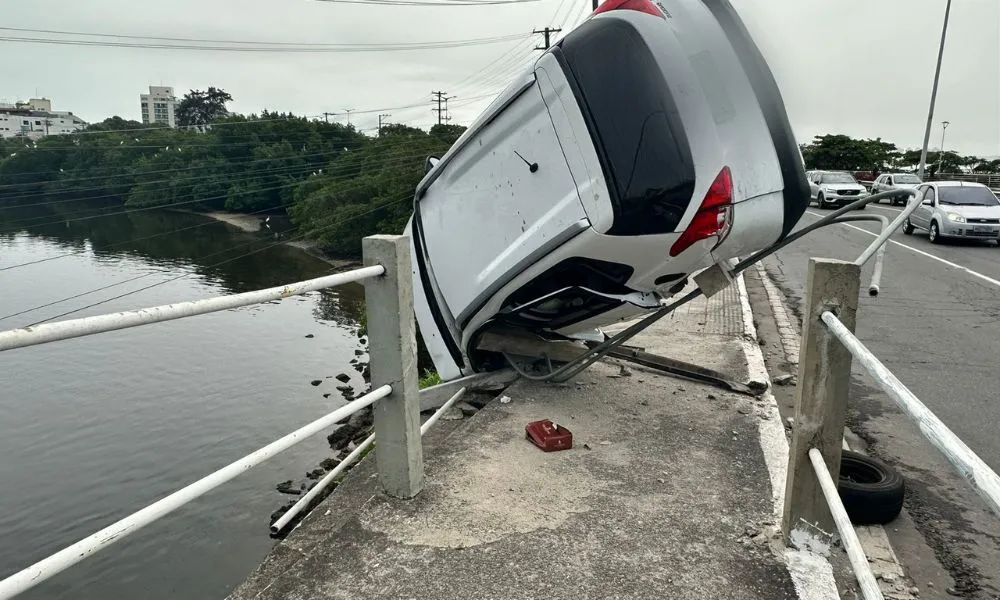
x,y
895,181
647,144
955,209
834,189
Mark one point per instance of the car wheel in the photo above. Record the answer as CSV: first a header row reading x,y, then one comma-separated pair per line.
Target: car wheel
x,y
933,234
907,227
872,491
819,200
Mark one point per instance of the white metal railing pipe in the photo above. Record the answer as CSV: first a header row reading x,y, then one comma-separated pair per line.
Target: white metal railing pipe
x,y
855,552
64,330
44,569
348,460
912,203
982,478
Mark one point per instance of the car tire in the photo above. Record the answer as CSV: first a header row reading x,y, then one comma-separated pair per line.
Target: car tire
x,y
872,491
819,200
907,227
934,233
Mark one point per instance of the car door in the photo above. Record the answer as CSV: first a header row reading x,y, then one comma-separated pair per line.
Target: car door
x,y
921,216
877,184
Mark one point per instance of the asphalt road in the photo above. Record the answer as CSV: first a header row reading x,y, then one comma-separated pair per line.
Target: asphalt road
x,y
936,325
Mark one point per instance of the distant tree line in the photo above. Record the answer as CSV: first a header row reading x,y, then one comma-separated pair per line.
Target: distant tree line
x,y
335,182
843,153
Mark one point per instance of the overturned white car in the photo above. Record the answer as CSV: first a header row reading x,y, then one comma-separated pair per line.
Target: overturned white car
x,y
649,143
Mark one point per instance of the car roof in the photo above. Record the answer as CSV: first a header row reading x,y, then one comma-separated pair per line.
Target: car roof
x,y
957,184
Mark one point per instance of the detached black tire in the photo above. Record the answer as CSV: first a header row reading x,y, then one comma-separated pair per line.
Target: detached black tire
x,y
872,491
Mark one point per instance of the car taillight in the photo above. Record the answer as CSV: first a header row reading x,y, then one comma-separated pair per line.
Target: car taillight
x,y
640,5
714,216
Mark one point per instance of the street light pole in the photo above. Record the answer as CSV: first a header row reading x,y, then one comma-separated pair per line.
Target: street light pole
x,y
944,128
937,77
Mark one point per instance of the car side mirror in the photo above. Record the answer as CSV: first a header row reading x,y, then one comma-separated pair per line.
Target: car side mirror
x,y
432,161
928,203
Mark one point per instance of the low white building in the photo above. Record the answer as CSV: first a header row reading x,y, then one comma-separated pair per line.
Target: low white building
x,y
158,106
35,119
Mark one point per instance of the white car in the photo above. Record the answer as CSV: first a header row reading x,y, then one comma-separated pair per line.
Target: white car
x,y
895,181
834,189
955,209
647,144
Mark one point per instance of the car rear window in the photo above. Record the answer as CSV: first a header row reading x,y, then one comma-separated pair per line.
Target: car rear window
x,y
635,125
967,196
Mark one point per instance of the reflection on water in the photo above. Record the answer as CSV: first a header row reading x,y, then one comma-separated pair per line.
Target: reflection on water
x,y
94,428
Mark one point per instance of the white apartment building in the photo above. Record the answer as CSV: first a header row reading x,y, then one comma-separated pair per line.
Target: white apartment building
x,y
158,105
35,119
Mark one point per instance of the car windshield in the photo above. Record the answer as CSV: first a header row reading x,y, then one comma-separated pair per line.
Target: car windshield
x,y
838,178
906,179
967,196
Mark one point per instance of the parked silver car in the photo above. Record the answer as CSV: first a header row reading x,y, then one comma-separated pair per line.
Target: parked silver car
x,y
834,189
895,181
955,209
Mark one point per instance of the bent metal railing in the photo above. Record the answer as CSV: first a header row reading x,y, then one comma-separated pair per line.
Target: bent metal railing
x,y
828,345
394,394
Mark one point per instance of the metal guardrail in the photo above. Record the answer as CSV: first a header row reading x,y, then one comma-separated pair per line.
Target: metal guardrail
x,y
855,552
980,476
828,346
64,330
69,556
394,397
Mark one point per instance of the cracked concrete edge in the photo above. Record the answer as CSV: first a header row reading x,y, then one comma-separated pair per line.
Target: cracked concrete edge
x,y
812,575
874,539
786,329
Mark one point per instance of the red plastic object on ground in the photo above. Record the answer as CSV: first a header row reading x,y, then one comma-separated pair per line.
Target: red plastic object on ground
x,y
548,436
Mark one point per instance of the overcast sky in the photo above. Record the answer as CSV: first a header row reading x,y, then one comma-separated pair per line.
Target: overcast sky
x,y
858,67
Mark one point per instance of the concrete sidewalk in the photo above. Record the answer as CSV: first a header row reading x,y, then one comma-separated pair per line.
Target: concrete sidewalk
x,y
665,494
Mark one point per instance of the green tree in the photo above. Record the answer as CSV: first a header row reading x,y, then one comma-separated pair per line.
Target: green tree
x,y
198,108
843,153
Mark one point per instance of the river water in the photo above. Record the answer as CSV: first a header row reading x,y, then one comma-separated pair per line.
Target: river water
x,y
94,428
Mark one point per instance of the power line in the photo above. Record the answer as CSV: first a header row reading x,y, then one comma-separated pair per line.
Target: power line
x,y
250,160
250,42
431,2
212,266
133,184
26,222
384,163
335,49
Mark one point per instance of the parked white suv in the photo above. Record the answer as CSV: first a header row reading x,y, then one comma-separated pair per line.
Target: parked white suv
x,y
834,189
647,144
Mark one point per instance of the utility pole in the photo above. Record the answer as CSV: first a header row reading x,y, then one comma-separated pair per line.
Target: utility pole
x,y
546,32
937,77
944,128
386,116
348,112
327,115
441,98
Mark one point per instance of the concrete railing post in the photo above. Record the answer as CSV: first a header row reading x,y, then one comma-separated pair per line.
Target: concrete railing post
x,y
823,388
393,360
